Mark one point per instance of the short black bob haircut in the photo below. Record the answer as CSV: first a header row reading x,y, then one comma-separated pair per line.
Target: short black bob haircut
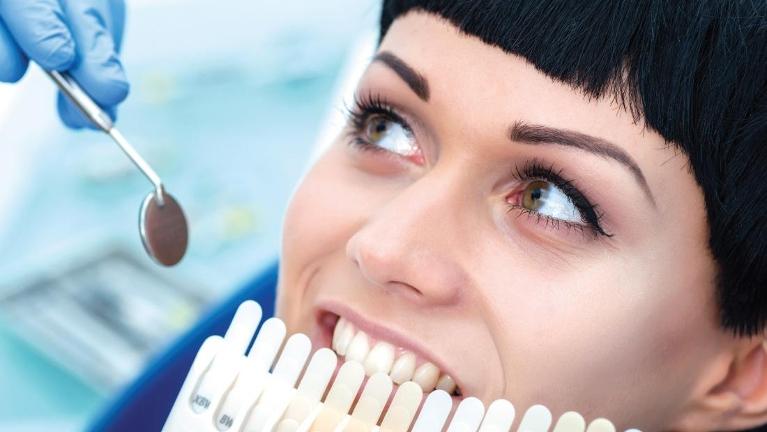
x,y
694,70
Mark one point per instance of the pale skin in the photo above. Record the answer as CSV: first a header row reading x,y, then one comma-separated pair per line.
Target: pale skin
x,y
431,244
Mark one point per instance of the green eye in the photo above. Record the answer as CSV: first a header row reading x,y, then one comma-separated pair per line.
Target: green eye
x,y
387,134
377,127
543,197
532,197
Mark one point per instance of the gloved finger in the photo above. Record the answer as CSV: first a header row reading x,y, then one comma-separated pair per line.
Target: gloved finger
x,y
117,26
39,29
98,69
73,118
13,63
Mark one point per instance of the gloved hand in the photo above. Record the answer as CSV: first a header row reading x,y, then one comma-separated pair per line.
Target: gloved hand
x,y
82,37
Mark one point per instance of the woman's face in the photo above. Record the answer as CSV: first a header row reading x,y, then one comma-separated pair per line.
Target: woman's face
x,y
525,240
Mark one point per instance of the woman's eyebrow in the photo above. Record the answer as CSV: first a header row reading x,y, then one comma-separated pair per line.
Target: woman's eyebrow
x,y
412,78
538,134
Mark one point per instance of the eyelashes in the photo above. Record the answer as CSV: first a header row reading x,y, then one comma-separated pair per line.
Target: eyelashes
x,y
373,106
535,170
368,105
376,126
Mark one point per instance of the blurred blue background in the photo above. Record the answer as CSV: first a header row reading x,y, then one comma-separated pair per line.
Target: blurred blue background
x,y
227,102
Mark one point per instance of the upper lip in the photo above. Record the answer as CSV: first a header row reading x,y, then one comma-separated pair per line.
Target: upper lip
x,y
387,334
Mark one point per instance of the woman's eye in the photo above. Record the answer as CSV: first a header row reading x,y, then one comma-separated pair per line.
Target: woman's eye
x,y
388,134
548,200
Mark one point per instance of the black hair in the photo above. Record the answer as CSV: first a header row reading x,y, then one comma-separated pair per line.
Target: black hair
x,y
695,71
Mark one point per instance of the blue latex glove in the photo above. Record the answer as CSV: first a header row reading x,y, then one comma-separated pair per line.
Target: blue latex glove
x,y
82,37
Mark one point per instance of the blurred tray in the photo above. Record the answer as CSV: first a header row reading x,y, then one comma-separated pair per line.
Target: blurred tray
x,y
100,318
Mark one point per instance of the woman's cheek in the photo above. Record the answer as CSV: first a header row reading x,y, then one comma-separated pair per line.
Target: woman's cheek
x,y
316,212
602,327
303,242
320,218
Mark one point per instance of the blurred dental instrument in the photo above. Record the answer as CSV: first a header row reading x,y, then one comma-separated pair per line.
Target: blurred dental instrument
x,y
162,224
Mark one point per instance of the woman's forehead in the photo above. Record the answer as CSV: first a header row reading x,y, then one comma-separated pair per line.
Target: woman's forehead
x,y
465,73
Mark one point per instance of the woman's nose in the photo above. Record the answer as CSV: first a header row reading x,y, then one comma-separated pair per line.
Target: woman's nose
x,y
412,246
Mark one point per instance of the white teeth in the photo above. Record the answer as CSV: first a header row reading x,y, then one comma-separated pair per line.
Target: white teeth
x,y
355,346
340,325
358,348
446,383
426,376
403,368
379,359
342,336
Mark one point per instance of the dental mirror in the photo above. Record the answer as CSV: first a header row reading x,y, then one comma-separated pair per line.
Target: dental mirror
x,y
162,223
163,228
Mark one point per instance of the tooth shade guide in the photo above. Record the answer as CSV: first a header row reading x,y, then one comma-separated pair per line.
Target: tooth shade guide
x,y
600,425
227,390
278,392
499,417
344,389
537,418
571,421
267,343
403,408
293,358
468,415
434,412
318,374
371,403
222,370
243,326
253,378
310,390
340,397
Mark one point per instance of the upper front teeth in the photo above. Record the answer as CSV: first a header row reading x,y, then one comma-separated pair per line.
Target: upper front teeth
x,y
403,368
380,359
358,348
355,345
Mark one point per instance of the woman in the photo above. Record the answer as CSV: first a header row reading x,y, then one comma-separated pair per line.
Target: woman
x,y
551,202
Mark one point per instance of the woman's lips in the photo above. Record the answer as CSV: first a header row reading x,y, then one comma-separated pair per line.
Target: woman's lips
x,y
379,350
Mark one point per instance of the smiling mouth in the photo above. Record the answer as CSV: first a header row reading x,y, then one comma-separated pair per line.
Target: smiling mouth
x,y
378,355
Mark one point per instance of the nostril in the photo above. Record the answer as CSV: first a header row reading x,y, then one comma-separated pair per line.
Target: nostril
x,y
403,287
